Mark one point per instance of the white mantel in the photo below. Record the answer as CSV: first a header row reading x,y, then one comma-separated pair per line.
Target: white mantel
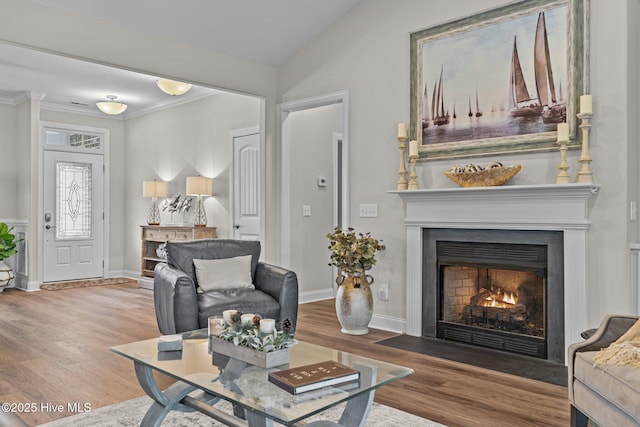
x,y
514,207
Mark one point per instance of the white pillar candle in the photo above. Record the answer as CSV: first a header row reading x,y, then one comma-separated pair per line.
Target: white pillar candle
x,y
215,325
413,148
563,131
226,315
402,130
247,319
586,104
267,326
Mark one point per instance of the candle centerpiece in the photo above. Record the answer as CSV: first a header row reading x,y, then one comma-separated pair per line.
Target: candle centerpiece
x,y
252,339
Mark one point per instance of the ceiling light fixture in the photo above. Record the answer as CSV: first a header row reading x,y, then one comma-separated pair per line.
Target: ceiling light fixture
x,y
110,106
172,87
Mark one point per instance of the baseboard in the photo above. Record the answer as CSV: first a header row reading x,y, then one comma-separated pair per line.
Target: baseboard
x,y
312,296
388,323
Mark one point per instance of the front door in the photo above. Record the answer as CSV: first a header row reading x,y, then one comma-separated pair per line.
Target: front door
x,y
73,216
246,186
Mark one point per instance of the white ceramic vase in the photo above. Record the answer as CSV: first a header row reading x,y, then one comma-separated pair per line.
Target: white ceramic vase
x,y
6,275
354,303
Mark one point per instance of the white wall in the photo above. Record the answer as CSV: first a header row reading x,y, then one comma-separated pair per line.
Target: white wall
x,y
311,139
367,52
170,145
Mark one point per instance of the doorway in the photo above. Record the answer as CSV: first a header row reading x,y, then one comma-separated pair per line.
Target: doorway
x,y
314,186
72,214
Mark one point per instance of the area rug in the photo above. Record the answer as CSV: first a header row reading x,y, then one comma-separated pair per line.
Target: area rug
x,y
57,286
510,363
131,412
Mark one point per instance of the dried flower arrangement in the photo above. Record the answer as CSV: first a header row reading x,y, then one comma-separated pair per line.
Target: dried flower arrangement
x,y
351,252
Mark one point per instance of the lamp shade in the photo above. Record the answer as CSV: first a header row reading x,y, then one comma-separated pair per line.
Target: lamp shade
x,y
154,189
199,186
110,106
172,87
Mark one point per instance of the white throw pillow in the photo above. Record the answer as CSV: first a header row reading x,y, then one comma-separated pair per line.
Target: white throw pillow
x,y
225,273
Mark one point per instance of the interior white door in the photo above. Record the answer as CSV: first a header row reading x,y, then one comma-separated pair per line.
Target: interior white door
x,y
246,187
73,216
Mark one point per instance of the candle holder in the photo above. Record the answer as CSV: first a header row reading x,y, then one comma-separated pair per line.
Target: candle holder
x,y
413,183
585,174
402,182
563,176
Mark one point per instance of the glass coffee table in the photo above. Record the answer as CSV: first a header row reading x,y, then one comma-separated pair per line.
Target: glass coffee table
x,y
204,379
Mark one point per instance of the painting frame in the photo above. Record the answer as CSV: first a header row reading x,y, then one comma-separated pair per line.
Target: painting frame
x,y
577,75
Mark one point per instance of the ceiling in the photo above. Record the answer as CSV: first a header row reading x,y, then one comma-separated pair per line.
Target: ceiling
x,y
268,32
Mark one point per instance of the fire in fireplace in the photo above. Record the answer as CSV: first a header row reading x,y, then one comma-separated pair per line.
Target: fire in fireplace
x,y
494,299
495,289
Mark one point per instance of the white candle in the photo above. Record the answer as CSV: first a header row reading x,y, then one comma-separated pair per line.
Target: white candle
x,y
267,326
226,315
586,104
247,319
563,131
402,130
215,325
413,148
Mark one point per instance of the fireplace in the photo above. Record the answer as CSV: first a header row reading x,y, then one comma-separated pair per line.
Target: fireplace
x,y
562,209
495,288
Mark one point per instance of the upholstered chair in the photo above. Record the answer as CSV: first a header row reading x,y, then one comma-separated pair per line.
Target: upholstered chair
x,y
203,278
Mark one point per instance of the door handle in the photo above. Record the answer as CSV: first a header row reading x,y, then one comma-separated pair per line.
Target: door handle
x,y
236,226
48,227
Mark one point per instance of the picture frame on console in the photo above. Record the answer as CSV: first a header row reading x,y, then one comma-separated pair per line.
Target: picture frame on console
x,y
499,81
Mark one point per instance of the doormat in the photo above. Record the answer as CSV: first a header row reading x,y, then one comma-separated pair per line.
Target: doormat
x,y
509,363
57,286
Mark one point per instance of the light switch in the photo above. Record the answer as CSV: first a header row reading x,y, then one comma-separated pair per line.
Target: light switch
x,y
368,210
306,210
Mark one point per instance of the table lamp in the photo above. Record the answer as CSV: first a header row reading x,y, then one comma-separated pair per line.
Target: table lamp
x,y
154,189
199,186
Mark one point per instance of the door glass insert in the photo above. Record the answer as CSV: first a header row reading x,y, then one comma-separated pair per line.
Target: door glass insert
x,y
73,139
73,200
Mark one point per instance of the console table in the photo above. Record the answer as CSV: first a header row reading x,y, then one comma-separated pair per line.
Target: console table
x,y
154,235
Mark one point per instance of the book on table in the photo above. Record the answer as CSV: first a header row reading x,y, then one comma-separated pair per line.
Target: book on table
x,y
314,376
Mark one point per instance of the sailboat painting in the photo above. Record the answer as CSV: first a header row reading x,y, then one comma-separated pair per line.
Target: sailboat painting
x,y
518,72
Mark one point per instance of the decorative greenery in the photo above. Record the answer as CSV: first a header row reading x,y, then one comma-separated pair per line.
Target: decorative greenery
x,y
177,204
7,241
351,252
249,335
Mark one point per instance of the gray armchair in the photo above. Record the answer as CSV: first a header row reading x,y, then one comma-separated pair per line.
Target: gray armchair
x,y
182,306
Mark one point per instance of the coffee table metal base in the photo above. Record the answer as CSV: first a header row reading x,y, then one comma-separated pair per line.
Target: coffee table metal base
x,y
180,397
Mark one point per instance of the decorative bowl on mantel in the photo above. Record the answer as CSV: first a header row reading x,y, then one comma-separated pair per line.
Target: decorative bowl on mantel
x,y
477,176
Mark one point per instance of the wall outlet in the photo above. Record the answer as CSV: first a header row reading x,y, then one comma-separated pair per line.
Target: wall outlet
x,y
633,211
368,210
306,210
383,292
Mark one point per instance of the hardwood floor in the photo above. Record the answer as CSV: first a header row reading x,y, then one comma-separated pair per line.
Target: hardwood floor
x,y
54,349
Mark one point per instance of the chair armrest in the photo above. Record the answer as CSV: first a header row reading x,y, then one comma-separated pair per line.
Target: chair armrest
x,y
175,299
282,285
611,328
